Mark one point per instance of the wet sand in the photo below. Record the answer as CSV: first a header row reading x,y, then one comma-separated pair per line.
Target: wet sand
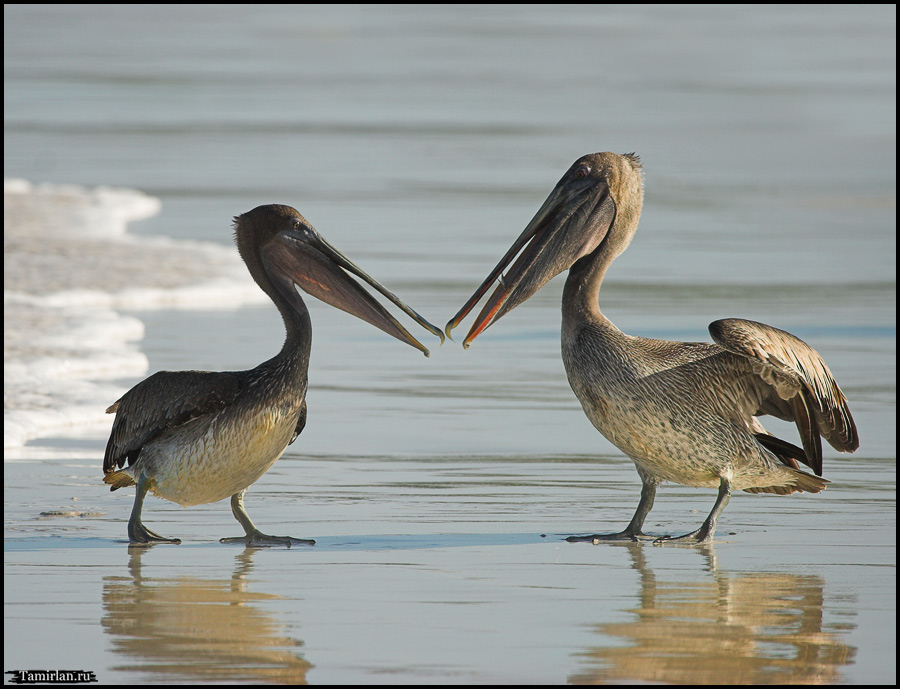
x,y
451,569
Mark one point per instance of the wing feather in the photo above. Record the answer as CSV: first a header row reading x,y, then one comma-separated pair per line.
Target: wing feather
x,y
800,377
163,401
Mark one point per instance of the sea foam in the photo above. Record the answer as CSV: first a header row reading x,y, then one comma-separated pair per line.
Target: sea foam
x,y
69,267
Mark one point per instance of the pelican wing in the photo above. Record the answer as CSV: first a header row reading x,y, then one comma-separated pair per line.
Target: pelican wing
x,y
798,375
163,401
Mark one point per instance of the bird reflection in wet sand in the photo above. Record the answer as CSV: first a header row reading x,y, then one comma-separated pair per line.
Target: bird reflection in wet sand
x,y
189,629
197,437
682,411
721,628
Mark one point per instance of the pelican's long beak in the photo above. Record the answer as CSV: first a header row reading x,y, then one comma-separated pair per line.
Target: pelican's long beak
x,y
571,224
302,257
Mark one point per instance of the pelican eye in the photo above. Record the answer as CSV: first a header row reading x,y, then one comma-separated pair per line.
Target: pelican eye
x,y
582,172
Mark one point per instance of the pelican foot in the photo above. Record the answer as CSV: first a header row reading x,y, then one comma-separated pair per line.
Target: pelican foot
x,y
137,532
257,539
621,536
698,537
707,530
140,534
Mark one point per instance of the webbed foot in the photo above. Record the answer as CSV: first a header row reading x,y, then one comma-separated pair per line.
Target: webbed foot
x,y
254,537
257,539
597,538
138,533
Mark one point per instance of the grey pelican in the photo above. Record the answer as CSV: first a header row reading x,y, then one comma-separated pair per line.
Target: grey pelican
x,y
682,411
196,437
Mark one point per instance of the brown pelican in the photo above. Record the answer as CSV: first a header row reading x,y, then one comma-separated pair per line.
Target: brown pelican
x,y
682,411
195,437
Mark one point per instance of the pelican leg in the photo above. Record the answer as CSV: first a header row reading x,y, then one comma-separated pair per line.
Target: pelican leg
x,y
706,532
632,532
137,532
254,536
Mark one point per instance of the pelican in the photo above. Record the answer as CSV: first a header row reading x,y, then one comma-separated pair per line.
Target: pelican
x,y
682,411
197,437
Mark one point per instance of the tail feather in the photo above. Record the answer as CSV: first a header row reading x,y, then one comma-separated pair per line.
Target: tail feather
x,y
118,479
809,483
803,482
790,456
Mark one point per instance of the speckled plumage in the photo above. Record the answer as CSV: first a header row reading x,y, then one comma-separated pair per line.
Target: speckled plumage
x,y
682,411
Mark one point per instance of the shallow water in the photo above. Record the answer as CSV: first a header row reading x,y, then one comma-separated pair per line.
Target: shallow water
x,y
420,141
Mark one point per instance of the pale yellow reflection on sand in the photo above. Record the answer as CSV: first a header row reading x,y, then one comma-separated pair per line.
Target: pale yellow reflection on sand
x,y
191,629
755,628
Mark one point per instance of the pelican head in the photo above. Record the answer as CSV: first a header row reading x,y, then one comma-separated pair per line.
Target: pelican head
x,y
594,207
282,249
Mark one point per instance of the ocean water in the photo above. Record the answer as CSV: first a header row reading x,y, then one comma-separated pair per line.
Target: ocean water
x,y
420,141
